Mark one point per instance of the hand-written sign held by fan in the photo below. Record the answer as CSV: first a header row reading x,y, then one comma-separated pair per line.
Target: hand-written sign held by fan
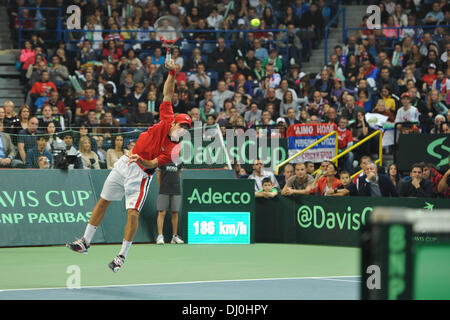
x,y
168,29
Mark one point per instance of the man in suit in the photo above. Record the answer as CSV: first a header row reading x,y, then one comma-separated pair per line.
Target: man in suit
x,y
7,151
374,184
290,117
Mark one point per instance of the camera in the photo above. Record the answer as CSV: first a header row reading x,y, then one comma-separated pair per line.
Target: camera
x,y
63,160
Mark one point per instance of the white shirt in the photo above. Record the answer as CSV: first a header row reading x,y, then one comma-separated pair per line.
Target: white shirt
x,y
410,115
258,179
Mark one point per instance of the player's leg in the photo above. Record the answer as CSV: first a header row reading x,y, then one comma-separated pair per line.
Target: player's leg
x,y
175,207
129,233
136,187
112,190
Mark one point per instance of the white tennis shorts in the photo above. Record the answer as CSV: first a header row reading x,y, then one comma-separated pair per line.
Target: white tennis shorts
x,y
129,180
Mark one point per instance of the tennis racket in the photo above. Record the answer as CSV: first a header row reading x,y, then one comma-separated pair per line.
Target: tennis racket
x,y
168,29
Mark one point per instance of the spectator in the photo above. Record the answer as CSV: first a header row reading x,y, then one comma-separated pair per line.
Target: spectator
x,y
89,157
259,173
416,186
347,187
62,162
142,118
444,184
394,174
430,173
42,88
374,184
38,151
327,183
131,101
85,55
220,58
390,102
54,144
324,84
58,72
299,184
7,150
10,120
345,141
115,152
435,16
200,78
309,167
288,171
220,95
108,125
316,106
27,138
137,74
295,46
253,115
430,76
407,113
47,117
101,153
84,105
43,162
386,79
360,130
268,191
442,84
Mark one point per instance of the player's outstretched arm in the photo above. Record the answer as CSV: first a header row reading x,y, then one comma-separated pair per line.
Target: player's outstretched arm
x,y
169,85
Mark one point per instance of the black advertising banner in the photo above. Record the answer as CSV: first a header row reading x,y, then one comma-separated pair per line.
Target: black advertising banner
x,y
429,148
326,220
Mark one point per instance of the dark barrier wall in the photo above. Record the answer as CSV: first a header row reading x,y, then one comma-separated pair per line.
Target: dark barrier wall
x,y
430,148
52,207
325,220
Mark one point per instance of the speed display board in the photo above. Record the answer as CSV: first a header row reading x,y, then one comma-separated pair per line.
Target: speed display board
x,y
218,211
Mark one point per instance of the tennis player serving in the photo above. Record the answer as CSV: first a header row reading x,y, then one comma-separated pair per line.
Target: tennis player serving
x,y
132,174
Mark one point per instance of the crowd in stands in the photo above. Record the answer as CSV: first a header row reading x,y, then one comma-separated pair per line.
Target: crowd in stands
x,y
241,79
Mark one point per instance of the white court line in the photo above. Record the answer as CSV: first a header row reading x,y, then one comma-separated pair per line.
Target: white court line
x,y
192,282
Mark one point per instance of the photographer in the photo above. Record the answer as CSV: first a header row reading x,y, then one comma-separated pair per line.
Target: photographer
x,y
68,158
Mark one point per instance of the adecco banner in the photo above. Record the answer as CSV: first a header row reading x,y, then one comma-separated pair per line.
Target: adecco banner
x,y
303,135
325,220
218,212
429,148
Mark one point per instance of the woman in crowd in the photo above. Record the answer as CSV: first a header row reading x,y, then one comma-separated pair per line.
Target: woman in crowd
x,y
117,150
54,144
327,183
393,174
88,157
11,122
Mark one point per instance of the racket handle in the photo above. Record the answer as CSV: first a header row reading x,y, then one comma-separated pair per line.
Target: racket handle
x,y
168,56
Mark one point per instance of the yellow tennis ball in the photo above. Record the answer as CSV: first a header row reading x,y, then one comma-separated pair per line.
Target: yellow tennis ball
x,y
255,22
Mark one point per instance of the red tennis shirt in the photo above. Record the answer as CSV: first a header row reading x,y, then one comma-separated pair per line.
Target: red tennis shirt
x,y
155,142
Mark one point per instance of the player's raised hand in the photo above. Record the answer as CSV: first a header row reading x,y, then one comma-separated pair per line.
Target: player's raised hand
x,y
170,64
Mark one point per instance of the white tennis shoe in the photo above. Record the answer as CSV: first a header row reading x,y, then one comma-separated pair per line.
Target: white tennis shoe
x,y
160,239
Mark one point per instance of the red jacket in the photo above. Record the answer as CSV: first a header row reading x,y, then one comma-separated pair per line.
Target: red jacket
x,y
322,182
155,142
41,87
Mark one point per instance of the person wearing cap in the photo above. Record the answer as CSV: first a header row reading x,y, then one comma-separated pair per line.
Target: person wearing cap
x,y
133,173
430,76
407,113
